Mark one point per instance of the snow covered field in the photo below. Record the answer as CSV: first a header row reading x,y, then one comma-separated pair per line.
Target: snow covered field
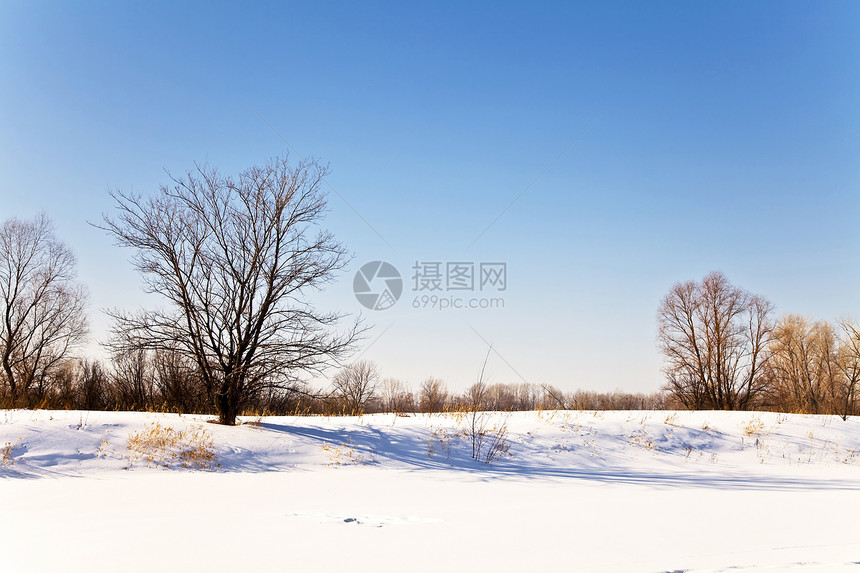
x,y
568,491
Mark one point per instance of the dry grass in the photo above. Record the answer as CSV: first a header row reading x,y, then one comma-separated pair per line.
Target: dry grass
x,y
488,443
496,444
162,446
641,439
440,441
6,457
102,452
344,454
753,427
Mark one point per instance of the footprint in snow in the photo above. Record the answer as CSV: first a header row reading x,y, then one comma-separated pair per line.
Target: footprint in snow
x,y
369,520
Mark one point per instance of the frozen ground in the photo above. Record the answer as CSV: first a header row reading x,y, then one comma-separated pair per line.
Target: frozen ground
x,y
575,491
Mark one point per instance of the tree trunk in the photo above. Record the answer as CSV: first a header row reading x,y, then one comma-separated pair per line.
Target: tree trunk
x,y
13,386
226,404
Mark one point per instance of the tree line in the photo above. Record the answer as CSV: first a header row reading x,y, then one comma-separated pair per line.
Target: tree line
x,y
234,259
160,381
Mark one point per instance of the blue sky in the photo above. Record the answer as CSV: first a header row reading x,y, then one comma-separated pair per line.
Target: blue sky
x,y
648,143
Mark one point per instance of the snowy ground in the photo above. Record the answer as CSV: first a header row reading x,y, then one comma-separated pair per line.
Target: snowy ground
x,y
575,491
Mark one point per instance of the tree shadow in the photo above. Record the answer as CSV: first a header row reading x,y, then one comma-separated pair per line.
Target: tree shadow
x,y
410,449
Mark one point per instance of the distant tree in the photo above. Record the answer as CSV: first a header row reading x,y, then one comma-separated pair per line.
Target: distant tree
x,y
804,364
235,259
715,338
848,360
134,379
815,366
178,382
476,395
501,397
396,396
355,386
432,395
93,382
528,396
554,398
42,315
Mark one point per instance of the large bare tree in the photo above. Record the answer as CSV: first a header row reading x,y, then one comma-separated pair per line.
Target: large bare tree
x,y
715,338
235,259
41,303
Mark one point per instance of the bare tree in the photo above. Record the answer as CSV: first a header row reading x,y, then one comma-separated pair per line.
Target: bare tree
x,y
41,303
396,396
179,383
234,259
92,385
715,338
355,386
476,395
555,398
848,359
133,379
432,395
804,364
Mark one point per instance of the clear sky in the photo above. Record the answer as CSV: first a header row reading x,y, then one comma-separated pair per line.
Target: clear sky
x,y
641,144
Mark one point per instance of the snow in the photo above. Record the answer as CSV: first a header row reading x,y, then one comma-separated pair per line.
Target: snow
x,y
575,491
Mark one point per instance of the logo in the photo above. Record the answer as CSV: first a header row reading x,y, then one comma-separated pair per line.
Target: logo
x,y
377,285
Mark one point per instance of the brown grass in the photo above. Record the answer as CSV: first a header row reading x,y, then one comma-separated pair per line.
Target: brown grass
x,y
754,427
162,446
6,457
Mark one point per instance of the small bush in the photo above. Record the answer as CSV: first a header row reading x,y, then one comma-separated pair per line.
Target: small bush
x,y
488,443
497,443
